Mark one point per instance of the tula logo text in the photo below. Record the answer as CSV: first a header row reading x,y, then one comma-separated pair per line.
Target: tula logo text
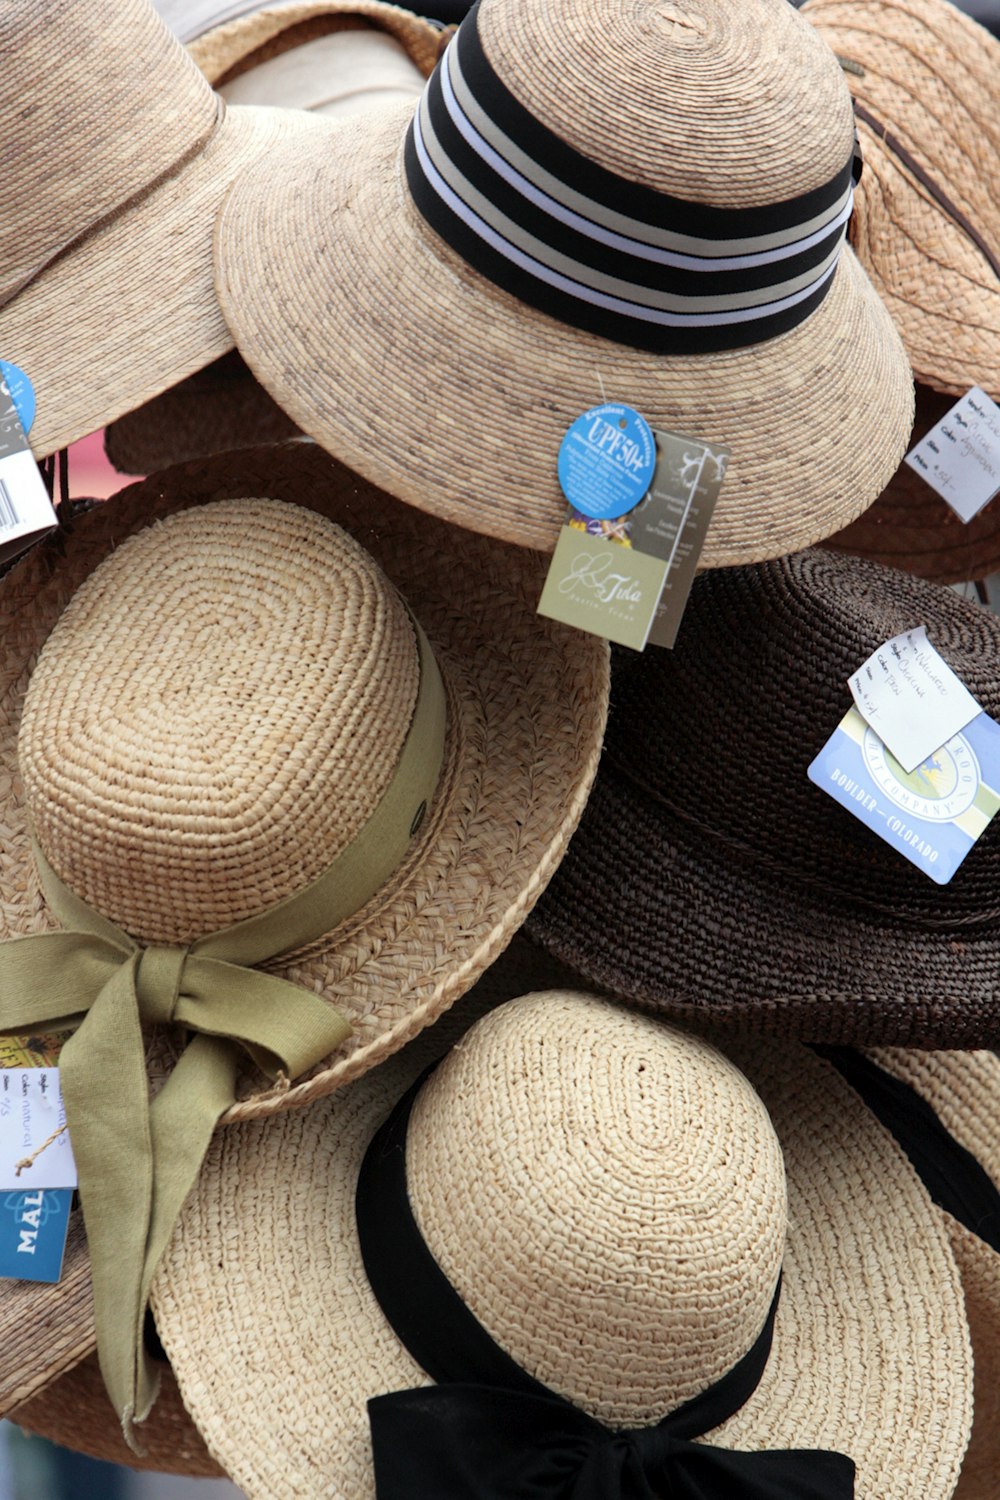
x,y
595,573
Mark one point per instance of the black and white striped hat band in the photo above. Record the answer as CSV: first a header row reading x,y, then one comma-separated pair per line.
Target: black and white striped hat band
x,y
601,253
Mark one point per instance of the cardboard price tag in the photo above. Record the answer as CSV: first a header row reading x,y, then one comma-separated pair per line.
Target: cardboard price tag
x,y
26,511
911,697
960,456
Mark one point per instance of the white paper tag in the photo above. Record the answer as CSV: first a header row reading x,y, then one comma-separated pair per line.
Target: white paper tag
x,y
33,1119
960,456
911,698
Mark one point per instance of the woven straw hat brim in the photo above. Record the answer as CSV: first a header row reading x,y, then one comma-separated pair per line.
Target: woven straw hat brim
x,y
963,1088
216,410
46,1330
217,52
131,309
452,394
931,79
870,1367
660,914
911,527
74,1411
527,706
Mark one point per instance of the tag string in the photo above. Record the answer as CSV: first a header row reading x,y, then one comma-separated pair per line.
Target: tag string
x,y
29,1161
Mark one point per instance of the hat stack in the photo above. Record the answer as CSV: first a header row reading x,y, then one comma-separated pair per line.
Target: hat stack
x,y
493,1066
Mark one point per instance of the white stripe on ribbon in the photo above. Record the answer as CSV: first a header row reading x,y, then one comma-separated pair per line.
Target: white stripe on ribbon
x,y
586,293
459,113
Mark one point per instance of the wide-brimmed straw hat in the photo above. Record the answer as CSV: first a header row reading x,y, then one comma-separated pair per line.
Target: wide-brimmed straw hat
x,y
942,1109
911,527
72,1409
509,257
926,226
607,1198
107,206
224,734
709,872
228,51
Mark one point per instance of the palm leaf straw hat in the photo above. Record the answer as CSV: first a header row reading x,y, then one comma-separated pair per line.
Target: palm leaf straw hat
x,y
368,55
72,1409
110,189
709,872
926,81
911,527
577,1226
254,795
611,199
942,1109
334,56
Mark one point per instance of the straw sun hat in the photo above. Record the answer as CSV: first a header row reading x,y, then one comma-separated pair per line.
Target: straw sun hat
x,y
611,1201
911,527
110,190
927,218
708,871
236,721
437,299
73,1409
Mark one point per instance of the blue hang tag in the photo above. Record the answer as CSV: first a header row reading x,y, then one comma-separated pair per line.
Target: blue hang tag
x,y
21,392
606,461
33,1228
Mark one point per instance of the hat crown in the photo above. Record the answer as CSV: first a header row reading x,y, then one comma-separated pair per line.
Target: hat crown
x,y
729,103
112,103
215,716
722,729
606,1195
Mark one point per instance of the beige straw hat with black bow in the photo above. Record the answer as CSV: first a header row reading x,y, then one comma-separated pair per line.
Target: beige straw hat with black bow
x,y
926,228
112,179
73,1410
450,375
613,1201
252,793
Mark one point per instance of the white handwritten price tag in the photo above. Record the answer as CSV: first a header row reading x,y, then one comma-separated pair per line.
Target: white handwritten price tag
x,y
911,698
33,1129
960,456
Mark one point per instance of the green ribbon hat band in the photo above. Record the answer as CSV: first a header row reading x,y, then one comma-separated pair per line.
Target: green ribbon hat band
x,y
138,1159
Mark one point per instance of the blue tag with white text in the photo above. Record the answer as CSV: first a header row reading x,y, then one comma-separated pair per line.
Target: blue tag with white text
x,y
34,1223
932,815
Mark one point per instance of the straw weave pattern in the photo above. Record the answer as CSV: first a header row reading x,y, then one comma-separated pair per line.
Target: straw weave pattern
x,y
527,702
215,717
108,102
932,77
878,1366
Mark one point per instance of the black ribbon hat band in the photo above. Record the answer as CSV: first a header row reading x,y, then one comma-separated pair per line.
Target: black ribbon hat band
x,y
489,1431
606,255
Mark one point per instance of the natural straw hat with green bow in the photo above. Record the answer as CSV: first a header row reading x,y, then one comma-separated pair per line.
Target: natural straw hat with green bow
x,y
261,818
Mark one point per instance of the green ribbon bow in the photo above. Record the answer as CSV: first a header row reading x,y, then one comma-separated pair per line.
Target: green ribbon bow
x,y
137,1158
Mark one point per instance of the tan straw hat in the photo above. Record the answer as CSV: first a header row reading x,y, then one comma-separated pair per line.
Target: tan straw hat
x,y
235,720
911,527
111,184
226,52
926,228
480,291
942,1109
607,1197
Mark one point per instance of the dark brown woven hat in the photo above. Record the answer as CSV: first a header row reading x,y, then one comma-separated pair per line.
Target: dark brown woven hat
x,y
709,873
911,527
217,410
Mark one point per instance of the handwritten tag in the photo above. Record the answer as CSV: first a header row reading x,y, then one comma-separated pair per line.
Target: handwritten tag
x,y
33,1125
911,698
960,456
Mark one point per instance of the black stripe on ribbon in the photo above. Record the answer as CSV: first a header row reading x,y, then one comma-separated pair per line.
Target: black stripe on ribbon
x,y
538,225
955,1179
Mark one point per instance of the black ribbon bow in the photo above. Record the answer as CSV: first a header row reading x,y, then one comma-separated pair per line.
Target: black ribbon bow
x,y
473,1442
489,1431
